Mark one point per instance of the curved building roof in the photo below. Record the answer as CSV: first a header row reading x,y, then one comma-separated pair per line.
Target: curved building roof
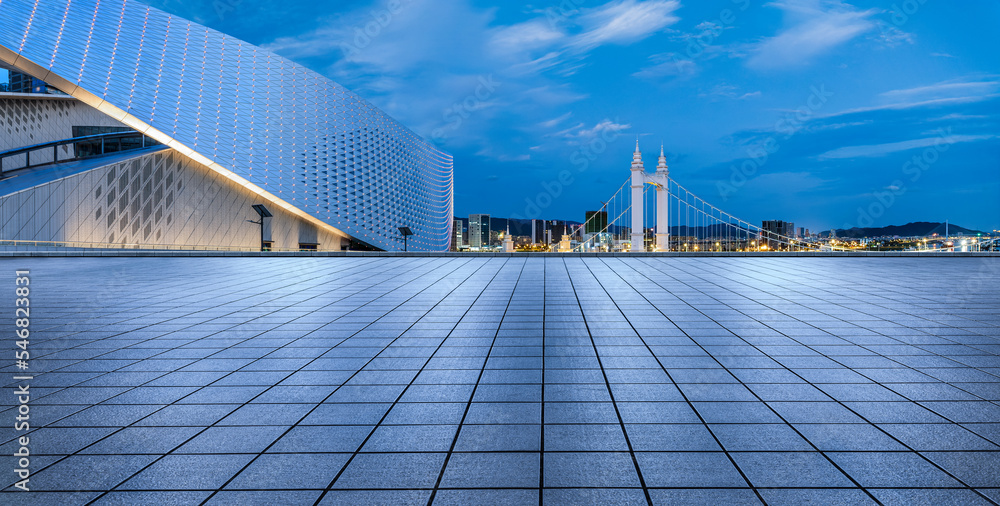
x,y
282,130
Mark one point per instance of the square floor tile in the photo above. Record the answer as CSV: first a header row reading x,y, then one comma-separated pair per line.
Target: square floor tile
x,y
790,469
708,469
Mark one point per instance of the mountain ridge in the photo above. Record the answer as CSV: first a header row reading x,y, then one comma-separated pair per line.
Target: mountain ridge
x,y
914,229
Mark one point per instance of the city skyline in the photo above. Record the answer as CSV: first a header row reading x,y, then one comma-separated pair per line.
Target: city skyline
x,y
535,85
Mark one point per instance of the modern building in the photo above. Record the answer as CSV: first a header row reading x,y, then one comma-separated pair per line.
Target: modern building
x,y
555,230
538,229
479,231
216,129
23,83
597,222
777,233
458,237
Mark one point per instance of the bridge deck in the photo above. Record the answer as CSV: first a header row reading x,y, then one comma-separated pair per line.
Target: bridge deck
x,y
568,380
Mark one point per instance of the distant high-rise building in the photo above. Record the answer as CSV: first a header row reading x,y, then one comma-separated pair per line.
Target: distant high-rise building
x,y
800,232
457,236
596,222
556,229
776,232
479,231
538,232
23,83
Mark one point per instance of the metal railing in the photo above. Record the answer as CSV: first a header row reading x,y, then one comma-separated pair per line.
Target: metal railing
x,y
103,139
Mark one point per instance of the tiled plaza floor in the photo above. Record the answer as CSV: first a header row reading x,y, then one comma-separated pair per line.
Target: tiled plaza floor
x,y
474,380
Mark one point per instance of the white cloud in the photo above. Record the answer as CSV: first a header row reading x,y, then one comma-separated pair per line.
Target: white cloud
x,y
541,64
514,158
914,105
813,27
525,37
959,117
397,42
783,184
729,91
581,132
667,65
890,36
837,126
875,150
555,121
948,89
427,57
953,92
624,22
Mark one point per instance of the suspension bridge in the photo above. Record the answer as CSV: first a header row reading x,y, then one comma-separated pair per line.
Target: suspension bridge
x,y
653,212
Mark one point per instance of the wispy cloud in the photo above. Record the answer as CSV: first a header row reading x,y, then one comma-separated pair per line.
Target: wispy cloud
x,y
555,121
624,22
938,102
965,90
890,36
667,65
525,37
875,150
581,132
959,117
948,89
730,92
813,27
784,184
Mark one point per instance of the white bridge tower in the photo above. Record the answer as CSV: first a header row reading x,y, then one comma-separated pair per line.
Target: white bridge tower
x,y
638,182
660,179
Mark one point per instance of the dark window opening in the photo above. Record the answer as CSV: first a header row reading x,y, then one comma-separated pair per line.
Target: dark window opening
x,y
91,148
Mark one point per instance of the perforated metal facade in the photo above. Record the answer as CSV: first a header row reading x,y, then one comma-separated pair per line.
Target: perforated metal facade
x,y
315,148
155,198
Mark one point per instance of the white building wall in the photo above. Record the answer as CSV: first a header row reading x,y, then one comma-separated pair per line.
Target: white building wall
x,y
27,121
159,198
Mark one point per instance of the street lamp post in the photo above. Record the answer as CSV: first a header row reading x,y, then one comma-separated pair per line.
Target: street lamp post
x,y
406,233
263,213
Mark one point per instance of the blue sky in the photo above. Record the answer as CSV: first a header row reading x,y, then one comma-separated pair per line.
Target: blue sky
x,y
821,112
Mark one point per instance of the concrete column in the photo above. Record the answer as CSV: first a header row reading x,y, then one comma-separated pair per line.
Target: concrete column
x,y
662,218
638,237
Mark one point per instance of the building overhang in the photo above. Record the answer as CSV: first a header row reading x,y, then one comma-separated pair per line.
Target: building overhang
x,y
18,63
